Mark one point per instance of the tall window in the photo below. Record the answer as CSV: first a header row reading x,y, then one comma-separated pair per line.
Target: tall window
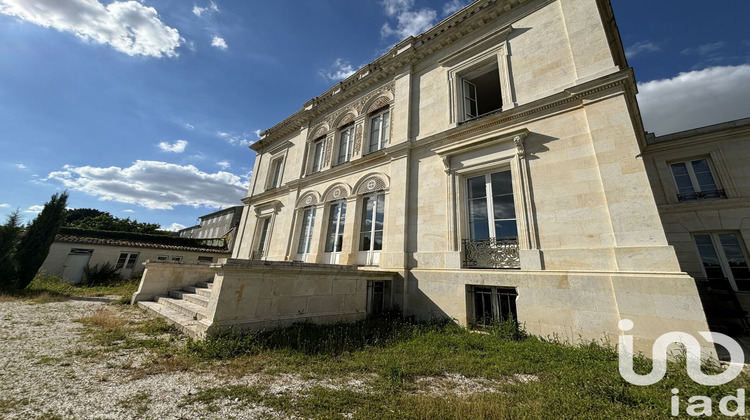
x,y
378,130
275,175
373,213
723,257
492,213
481,92
695,181
336,220
318,149
490,305
306,231
346,144
378,296
261,249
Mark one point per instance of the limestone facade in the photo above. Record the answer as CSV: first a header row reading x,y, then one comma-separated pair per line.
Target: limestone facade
x,y
494,163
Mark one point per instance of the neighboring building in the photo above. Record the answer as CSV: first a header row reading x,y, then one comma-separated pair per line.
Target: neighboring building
x,y
701,183
69,255
490,166
217,225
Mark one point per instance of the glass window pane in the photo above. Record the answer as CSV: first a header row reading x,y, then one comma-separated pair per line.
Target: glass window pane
x,y
501,183
700,165
735,258
477,188
380,211
705,181
384,132
504,207
506,229
709,257
378,245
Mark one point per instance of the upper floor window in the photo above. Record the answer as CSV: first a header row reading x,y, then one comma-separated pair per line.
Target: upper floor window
x,y
318,149
346,144
274,178
480,92
378,130
695,181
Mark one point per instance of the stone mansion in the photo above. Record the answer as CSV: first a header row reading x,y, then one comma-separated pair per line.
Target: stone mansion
x,y
488,168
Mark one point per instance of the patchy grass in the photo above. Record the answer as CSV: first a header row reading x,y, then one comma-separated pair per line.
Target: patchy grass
x,y
139,403
48,288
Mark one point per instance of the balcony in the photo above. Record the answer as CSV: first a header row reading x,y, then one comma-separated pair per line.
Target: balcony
x,y
702,195
491,253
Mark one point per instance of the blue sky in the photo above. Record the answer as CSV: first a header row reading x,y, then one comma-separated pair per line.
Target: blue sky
x,y
146,109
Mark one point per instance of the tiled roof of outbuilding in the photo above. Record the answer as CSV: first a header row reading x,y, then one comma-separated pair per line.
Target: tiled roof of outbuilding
x,y
135,244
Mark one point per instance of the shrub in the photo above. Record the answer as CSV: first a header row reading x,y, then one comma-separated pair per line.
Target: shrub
x,y
96,275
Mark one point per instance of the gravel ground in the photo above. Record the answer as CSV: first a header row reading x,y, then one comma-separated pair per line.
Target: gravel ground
x,y
51,369
43,376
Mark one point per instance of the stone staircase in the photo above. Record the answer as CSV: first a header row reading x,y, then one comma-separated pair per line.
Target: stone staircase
x,y
185,309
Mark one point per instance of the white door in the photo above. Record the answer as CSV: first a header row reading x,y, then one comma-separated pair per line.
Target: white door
x,y
371,230
75,264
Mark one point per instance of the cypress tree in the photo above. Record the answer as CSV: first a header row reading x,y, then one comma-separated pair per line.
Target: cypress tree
x,y
35,244
9,235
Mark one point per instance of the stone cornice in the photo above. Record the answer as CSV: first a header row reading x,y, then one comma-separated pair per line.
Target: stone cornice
x,y
408,52
718,132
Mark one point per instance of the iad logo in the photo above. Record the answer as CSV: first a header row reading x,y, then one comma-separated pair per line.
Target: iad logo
x,y
702,404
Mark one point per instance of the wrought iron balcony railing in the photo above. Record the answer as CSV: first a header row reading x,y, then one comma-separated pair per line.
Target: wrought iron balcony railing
x,y
702,195
491,253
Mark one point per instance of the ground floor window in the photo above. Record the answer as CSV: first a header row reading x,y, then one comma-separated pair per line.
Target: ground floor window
x,y
378,296
127,260
306,231
336,219
490,305
723,257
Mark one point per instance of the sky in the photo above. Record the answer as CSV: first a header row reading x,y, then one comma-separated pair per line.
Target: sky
x,y
145,109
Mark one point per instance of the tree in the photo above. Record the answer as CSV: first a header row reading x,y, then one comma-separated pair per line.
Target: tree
x,y
10,233
93,219
35,244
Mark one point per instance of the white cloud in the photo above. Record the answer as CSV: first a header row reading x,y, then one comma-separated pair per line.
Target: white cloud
x,y
409,21
224,164
189,126
128,211
126,26
257,132
340,70
639,47
155,185
34,209
705,49
174,227
235,139
452,7
207,11
4,205
219,43
694,99
20,166
176,147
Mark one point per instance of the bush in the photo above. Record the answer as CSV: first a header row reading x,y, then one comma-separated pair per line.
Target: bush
x,y
96,275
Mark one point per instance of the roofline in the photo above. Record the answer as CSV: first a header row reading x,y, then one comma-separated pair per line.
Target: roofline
x,y
409,51
700,131
226,210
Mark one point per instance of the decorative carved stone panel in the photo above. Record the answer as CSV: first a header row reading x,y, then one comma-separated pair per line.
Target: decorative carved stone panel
x,y
346,120
318,133
379,103
357,138
337,193
372,184
329,149
308,199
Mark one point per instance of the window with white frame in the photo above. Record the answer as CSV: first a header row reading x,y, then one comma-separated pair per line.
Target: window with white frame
x,y
373,215
491,222
306,231
261,247
318,152
379,121
336,219
491,305
346,144
695,181
274,176
480,91
127,260
723,257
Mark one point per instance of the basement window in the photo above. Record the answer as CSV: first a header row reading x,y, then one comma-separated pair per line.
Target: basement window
x,y
378,297
491,305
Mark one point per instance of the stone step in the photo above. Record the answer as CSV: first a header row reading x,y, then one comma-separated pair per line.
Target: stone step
x,y
191,310
200,291
187,325
205,284
189,297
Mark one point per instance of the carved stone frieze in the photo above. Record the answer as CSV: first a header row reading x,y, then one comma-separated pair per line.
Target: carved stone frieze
x,y
357,138
329,148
